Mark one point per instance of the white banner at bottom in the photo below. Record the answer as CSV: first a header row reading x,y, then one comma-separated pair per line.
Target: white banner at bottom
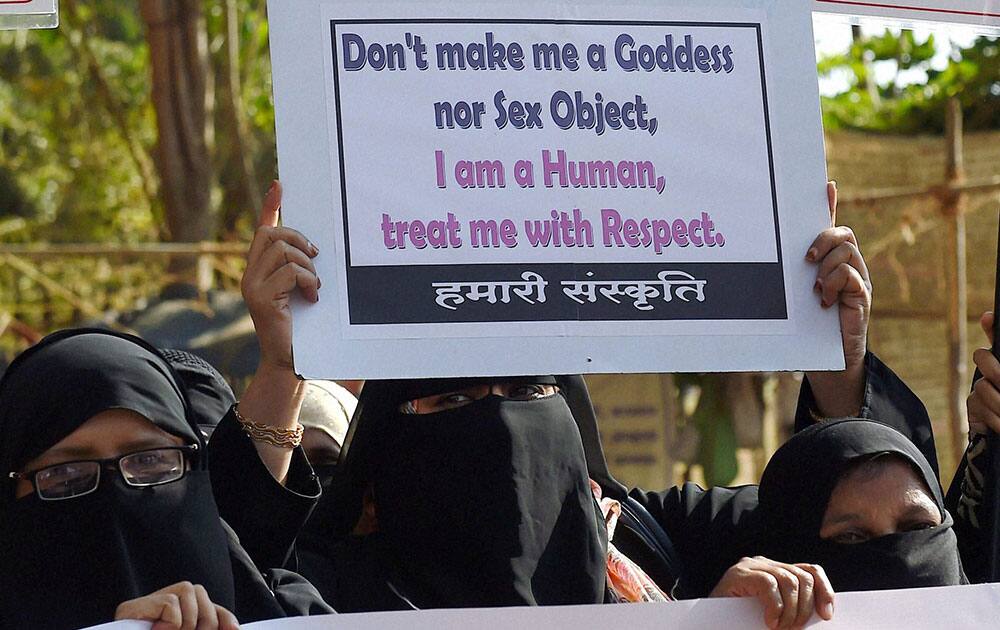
x,y
914,609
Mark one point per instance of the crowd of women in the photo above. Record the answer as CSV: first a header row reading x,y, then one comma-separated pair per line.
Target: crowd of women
x,y
448,492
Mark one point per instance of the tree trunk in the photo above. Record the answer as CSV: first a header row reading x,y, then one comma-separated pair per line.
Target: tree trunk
x,y
240,190
178,56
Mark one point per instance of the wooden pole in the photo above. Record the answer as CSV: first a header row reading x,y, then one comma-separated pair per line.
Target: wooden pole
x,y
953,208
53,287
880,195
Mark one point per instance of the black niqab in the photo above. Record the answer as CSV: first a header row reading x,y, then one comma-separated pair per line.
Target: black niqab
x,y
340,508
796,487
484,505
69,563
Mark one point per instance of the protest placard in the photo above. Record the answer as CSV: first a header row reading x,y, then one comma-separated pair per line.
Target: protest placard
x,y
914,609
562,187
985,13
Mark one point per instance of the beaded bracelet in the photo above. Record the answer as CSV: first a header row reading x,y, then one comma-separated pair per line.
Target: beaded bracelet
x,y
283,438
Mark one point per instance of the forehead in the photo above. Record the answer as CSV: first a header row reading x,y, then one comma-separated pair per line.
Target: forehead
x,y
502,384
892,465
881,483
107,434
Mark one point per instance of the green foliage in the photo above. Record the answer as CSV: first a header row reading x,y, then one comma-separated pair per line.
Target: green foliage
x,y
62,153
714,420
972,75
76,121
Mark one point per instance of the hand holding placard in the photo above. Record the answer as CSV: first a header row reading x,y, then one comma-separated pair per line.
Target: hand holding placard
x,y
279,265
279,261
790,594
842,279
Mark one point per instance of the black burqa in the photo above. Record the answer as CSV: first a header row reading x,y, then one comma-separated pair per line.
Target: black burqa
x,y
69,563
207,391
484,505
795,489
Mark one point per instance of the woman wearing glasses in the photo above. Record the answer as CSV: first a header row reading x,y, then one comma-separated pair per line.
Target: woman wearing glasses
x,y
106,510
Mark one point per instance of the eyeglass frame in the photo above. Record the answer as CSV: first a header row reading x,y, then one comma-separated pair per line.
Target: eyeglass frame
x,y
187,451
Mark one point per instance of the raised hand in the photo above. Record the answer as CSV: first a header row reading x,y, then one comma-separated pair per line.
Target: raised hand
x,y
842,280
278,263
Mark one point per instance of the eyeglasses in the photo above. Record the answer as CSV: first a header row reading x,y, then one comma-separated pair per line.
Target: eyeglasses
x,y
142,469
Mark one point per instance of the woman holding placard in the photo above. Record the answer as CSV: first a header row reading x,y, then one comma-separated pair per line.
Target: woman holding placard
x,y
475,492
860,499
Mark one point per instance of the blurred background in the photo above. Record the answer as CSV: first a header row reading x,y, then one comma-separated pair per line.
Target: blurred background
x,y
137,139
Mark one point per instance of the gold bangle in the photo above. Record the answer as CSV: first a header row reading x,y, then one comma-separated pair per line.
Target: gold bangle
x,y
815,415
283,438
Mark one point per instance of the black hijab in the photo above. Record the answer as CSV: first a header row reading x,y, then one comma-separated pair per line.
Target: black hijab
x,y
208,393
484,505
796,487
69,563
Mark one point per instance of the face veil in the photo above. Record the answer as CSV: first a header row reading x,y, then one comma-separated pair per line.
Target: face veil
x,y
69,563
488,504
796,487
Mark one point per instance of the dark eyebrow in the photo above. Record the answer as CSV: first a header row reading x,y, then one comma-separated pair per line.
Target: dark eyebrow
x,y
75,452
147,444
849,517
451,392
70,453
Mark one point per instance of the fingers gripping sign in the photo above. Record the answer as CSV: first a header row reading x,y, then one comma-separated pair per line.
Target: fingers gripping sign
x,y
789,593
983,404
181,606
831,200
279,262
842,279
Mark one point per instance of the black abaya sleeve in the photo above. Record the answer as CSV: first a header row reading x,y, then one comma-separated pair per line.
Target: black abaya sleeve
x,y
270,593
967,503
266,515
888,400
710,530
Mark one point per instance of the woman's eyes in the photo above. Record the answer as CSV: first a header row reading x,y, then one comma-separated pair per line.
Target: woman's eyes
x,y
147,459
60,474
851,537
453,400
531,392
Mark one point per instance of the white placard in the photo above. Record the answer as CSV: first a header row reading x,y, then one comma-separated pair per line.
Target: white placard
x,y
984,13
16,14
125,624
914,609
535,188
